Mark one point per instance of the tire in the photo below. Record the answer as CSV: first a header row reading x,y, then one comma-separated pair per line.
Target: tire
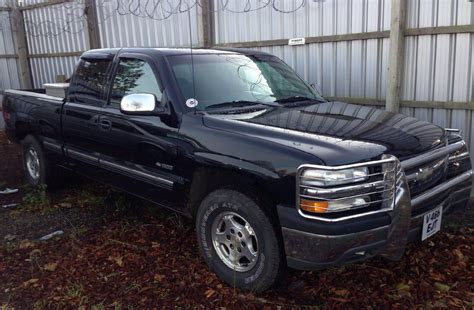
x,y
35,166
222,214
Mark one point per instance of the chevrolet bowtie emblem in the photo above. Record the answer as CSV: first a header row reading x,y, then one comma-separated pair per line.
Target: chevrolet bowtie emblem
x,y
424,173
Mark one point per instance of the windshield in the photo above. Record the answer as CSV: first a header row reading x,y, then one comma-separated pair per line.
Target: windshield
x,y
227,78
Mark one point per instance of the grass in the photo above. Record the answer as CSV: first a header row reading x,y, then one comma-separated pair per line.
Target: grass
x,y
36,199
74,290
98,307
6,307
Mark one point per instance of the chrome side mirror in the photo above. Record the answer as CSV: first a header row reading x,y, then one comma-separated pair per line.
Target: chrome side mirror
x,y
141,104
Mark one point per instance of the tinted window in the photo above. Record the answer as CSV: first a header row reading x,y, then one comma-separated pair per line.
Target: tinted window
x,y
221,78
89,81
134,76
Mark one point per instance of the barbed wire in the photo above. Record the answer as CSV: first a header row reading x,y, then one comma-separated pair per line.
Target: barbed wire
x,y
70,17
164,9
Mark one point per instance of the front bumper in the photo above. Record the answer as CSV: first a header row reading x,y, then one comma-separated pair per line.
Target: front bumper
x,y
311,244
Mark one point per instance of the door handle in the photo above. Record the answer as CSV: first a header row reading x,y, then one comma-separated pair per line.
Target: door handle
x,y
105,124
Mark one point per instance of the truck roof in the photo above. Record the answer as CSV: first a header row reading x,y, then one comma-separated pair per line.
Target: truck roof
x,y
151,51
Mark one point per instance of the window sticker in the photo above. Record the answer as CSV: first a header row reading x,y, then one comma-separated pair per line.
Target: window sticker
x,y
191,103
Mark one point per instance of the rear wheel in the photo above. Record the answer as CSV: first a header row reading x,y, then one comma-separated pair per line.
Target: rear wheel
x,y
238,241
34,162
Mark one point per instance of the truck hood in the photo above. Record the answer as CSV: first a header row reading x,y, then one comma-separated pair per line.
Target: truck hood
x,y
334,132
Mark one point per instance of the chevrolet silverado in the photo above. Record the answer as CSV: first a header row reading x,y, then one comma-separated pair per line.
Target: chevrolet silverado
x,y
273,174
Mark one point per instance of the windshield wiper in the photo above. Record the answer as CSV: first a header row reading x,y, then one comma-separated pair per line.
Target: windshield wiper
x,y
299,98
239,104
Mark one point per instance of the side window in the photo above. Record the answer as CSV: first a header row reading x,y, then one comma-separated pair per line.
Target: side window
x,y
134,76
89,81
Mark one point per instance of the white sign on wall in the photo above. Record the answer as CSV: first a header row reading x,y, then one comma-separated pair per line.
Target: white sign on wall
x,y
297,41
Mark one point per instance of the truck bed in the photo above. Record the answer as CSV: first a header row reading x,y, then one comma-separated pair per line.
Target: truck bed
x,y
32,110
37,93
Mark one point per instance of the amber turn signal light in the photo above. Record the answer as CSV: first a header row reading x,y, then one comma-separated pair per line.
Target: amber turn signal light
x,y
314,206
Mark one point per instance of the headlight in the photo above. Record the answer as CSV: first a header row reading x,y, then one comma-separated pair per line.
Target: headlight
x,y
328,206
315,177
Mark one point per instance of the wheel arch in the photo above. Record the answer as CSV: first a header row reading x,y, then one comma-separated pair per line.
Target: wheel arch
x,y
206,179
23,129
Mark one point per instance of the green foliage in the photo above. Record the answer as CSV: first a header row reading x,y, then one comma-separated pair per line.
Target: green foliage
x,y
36,198
87,196
74,290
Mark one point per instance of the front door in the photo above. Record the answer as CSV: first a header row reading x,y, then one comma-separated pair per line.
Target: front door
x,y
139,152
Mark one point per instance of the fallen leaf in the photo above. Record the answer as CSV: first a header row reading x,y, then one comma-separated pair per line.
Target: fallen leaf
x,y
437,276
50,266
9,237
66,205
262,300
30,281
343,300
158,277
442,287
403,289
25,244
118,260
458,254
209,293
341,292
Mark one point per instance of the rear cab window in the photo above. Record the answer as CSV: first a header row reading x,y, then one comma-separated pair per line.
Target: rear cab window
x,y
89,82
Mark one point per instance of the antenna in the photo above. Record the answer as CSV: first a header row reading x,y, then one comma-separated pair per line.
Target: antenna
x,y
191,102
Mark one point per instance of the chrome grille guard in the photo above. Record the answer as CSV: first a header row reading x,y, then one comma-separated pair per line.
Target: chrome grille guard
x,y
391,186
385,187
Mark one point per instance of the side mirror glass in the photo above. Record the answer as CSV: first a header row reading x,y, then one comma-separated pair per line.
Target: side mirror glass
x,y
141,104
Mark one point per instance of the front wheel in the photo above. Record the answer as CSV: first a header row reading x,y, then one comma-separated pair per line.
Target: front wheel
x,y
238,241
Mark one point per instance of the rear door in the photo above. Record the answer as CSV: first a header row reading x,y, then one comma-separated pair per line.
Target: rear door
x,y
81,113
139,151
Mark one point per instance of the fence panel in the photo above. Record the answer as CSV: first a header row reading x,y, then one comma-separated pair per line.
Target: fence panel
x,y
144,24
9,71
342,69
440,68
56,34
244,21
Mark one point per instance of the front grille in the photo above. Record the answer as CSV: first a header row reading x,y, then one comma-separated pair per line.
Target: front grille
x,y
427,175
435,167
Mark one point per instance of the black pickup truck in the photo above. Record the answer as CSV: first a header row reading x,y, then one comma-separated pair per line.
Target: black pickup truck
x,y
272,173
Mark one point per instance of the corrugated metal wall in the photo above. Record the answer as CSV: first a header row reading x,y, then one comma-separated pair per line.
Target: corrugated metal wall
x,y
9,71
8,66
54,29
353,68
440,67
62,29
143,26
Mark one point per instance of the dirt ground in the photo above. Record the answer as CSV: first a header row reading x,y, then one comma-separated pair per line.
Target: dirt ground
x,y
117,252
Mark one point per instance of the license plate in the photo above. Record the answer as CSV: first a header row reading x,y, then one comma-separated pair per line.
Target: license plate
x,y
431,223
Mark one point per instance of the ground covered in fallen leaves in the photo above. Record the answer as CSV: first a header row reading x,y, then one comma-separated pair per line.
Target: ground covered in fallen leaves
x,y
117,252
